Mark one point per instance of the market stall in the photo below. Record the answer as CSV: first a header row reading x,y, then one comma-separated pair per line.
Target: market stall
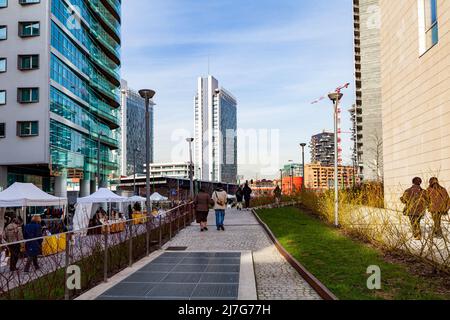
x,y
84,211
138,213
27,195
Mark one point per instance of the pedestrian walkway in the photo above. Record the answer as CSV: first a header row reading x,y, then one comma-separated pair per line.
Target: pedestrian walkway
x,y
214,265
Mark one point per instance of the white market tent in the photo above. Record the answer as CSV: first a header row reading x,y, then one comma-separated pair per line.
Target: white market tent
x,y
83,208
136,199
157,197
103,195
28,195
21,195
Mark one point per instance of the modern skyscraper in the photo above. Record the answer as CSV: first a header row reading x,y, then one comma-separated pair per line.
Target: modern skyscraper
x,y
215,145
415,50
322,148
367,111
133,131
59,95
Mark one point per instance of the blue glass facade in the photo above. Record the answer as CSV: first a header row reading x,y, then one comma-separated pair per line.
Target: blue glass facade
x,y
228,127
85,87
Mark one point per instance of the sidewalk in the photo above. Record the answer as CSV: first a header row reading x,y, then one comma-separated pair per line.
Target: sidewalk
x,y
209,267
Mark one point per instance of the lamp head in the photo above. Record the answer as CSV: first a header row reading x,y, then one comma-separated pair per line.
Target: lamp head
x,y
147,93
190,139
335,96
302,145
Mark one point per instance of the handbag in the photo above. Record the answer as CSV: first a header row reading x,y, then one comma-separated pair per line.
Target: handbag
x,y
219,201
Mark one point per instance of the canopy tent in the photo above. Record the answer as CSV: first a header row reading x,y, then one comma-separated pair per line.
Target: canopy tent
x,y
21,195
103,195
84,207
136,199
28,195
157,197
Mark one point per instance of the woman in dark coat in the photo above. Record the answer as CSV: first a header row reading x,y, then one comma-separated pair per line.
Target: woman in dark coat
x,y
247,195
33,248
202,202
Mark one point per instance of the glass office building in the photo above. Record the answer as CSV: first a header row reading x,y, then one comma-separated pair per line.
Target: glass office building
x,y
69,80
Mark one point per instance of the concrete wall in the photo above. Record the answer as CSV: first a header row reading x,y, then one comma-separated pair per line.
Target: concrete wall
x,y
416,100
30,150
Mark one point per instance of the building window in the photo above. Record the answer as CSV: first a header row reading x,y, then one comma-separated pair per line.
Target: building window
x,y
2,130
3,3
2,97
3,32
2,65
28,62
428,25
29,29
27,128
28,95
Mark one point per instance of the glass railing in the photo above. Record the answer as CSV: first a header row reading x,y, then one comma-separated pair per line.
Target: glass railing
x,y
86,36
116,5
98,7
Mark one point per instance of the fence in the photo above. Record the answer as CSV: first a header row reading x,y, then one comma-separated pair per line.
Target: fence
x,y
97,252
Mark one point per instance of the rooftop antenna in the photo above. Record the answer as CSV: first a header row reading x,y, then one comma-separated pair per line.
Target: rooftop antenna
x,y
209,64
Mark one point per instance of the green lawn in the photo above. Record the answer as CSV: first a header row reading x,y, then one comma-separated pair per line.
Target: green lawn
x,y
340,262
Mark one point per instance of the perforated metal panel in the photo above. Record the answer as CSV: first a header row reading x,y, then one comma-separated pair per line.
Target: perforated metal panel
x,y
182,275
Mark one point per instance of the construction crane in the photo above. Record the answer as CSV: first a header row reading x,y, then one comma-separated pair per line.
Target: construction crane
x,y
339,113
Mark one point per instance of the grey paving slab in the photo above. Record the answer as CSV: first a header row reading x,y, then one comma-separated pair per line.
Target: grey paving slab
x,y
216,291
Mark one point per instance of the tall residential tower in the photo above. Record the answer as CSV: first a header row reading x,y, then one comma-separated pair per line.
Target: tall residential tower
x,y
215,145
59,92
366,114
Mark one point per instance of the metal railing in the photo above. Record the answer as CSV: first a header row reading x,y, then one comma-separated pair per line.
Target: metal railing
x,y
73,262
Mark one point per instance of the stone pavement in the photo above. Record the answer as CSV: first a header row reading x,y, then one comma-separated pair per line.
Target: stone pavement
x,y
276,279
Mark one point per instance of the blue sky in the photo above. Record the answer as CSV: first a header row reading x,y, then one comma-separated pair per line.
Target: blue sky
x,y
275,56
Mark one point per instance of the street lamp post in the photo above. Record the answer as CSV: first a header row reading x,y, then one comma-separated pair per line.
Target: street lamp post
x,y
134,170
291,175
336,97
147,94
99,174
191,169
281,180
303,145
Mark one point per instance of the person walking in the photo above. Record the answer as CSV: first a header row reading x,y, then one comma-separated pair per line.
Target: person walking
x,y
13,233
220,198
239,198
277,193
439,205
247,195
202,202
416,203
33,248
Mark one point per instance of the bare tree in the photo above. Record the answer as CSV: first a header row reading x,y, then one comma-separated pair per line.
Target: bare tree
x,y
376,149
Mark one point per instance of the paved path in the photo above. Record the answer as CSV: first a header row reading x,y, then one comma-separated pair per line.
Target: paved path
x,y
275,277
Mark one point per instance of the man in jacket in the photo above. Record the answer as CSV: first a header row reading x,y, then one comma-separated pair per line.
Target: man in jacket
x,y
247,195
220,198
438,206
33,248
13,233
416,203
